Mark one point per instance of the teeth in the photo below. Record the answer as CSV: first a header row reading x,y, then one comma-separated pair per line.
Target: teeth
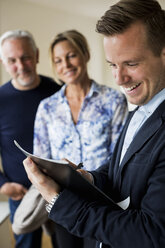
x,y
133,87
69,72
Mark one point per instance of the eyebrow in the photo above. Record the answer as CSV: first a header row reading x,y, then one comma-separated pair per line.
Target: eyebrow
x,y
128,61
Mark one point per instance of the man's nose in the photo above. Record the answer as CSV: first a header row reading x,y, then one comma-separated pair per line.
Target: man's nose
x,y
20,64
121,76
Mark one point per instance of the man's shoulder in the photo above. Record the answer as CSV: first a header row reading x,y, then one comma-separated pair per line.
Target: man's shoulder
x,y
46,78
48,81
5,87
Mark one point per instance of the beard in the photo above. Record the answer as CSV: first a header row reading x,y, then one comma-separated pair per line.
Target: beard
x,y
27,79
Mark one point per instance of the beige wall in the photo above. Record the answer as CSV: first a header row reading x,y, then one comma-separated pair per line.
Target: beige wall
x,y
44,22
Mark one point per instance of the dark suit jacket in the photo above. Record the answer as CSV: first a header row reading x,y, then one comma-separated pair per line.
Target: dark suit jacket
x,y
141,176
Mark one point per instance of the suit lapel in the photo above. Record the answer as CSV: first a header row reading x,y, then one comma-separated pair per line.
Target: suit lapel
x,y
121,139
145,133
118,148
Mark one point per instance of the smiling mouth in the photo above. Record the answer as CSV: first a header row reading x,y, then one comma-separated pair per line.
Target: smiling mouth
x,y
132,88
70,72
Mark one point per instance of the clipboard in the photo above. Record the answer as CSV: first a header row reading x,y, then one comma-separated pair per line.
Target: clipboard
x,y
67,177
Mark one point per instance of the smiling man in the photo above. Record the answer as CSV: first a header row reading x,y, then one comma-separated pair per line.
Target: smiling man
x,y
134,65
19,100
20,62
134,42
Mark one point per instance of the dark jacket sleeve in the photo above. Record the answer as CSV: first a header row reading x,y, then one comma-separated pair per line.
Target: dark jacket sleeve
x,y
141,175
136,227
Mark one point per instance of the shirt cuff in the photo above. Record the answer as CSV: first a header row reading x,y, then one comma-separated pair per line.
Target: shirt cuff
x,y
50,205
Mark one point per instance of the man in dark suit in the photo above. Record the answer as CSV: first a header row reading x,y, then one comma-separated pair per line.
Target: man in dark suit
x,y
134,42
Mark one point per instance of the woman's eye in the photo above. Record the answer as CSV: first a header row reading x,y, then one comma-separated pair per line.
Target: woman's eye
x,y
72,55
56,61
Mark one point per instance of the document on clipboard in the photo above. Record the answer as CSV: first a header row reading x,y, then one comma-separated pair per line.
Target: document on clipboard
x,y
67,177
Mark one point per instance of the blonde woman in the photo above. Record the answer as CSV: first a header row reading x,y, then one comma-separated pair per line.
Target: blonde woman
x,y
82,121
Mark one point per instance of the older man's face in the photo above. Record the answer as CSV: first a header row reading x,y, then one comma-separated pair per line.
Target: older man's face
x,y
20,62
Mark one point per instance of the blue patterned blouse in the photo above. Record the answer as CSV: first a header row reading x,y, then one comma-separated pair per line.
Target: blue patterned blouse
x,y
92,139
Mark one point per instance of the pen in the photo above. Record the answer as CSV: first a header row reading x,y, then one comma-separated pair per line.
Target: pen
x,y
79,166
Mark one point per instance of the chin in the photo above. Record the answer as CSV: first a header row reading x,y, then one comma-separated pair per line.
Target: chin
x,y
26,81
132,101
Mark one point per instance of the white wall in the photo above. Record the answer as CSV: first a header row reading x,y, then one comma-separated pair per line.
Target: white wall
x,y
44,22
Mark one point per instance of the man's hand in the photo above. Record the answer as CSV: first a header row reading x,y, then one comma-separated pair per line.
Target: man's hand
x,y
15,191
86,174
45,185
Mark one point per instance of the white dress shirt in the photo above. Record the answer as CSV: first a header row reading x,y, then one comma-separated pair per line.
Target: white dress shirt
x,y
139,117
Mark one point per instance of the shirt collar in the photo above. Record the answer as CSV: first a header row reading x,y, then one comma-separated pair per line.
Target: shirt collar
x,y
62,91
150,107
94,89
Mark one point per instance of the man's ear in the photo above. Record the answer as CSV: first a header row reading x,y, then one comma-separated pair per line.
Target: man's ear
x,y
37,55
163,55
2,62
